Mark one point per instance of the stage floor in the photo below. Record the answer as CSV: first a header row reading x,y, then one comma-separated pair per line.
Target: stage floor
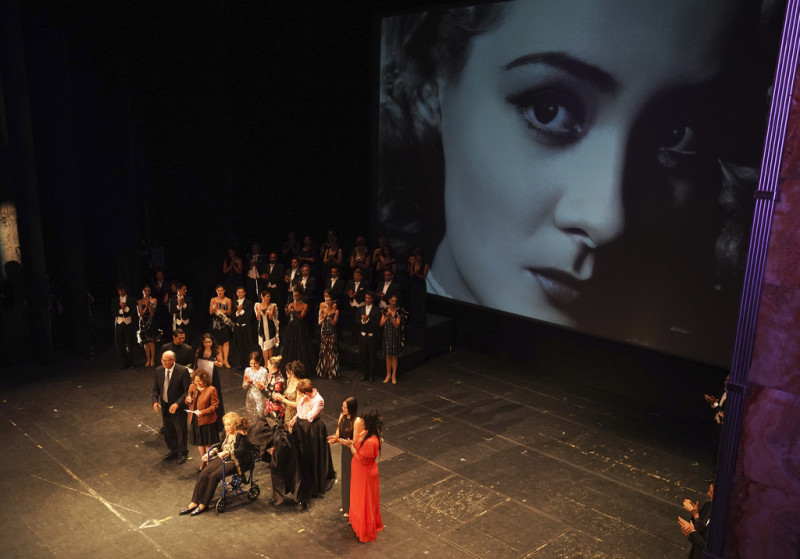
x,y
481,458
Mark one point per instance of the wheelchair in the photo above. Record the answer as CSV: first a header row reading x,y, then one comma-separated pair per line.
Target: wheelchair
x,y
235,485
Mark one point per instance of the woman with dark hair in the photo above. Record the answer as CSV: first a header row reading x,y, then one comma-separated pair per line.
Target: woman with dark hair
x,y
572,179
328,364
274,384
331,255
202,402
294,372
360,258
393,324
268,327
232,267
148,332
365,506
254,381
349,427
220,310
295,340
385,260
237,453
208,357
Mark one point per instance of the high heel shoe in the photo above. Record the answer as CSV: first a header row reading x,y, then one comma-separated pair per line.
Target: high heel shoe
x,y
394,381
387,379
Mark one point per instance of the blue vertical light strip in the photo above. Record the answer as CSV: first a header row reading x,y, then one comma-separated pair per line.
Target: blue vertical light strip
x,y
754,275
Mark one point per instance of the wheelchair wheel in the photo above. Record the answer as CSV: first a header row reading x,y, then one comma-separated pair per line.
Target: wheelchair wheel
x,y
253,493
221,505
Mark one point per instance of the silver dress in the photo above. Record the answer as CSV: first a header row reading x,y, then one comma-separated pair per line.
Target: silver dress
x,y
255,400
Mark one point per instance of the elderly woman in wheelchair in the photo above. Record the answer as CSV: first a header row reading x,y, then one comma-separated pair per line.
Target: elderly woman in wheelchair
x,y
234,456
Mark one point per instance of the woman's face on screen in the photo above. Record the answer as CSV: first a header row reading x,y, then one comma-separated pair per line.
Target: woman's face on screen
x,y
538,131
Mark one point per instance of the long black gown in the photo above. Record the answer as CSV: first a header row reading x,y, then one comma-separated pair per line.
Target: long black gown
x,y
296,344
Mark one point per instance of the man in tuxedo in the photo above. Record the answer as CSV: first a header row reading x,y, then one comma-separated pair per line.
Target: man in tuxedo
x,y
123,309
369,335
256,272
309,285
244,334
275,272
387,289
184,354
695,529
181,307
356,289
170,385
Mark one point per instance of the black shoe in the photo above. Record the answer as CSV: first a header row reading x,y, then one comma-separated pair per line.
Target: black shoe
x,y
182,459
170,456
161,431
270,501
301,506
184,511
197,511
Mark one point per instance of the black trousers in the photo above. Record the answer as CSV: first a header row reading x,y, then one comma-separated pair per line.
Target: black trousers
x,y
368,349
209,478
124,340
175,428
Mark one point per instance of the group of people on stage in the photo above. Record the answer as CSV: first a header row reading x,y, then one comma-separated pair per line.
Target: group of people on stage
x,y
189,400
275,306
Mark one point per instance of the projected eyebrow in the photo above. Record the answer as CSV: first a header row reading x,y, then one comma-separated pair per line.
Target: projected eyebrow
x,y
601,79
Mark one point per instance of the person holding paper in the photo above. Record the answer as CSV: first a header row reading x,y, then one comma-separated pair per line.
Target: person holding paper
x,y
202,403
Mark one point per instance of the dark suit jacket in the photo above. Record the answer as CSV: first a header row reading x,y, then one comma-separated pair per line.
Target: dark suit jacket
x,y
184,354
187,312
277,274
310,293
178,386
131,313
337,291
373,325
249,315
358,294
392,290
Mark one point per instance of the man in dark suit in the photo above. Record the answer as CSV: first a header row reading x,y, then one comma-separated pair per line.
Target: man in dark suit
x,y
244,334
170,385
184,354
696,528
356,289
369,335
309,285
181,307
387,289
275,272
123,309
256,272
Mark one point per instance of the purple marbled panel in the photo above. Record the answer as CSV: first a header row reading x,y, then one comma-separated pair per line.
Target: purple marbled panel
x,y
776,355
770,439
763,523
783,257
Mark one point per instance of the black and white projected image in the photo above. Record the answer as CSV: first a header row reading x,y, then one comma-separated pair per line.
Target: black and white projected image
x,y
586,164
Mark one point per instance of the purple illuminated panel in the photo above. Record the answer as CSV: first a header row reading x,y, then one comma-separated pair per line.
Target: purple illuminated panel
x,y
759,240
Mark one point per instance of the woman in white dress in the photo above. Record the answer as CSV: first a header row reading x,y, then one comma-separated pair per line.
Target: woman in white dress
x,y
268,327
255,382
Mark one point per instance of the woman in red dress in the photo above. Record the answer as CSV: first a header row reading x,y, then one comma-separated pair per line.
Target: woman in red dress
x,y
365,506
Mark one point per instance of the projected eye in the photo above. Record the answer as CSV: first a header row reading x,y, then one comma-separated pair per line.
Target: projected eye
x,y
555,116
677,145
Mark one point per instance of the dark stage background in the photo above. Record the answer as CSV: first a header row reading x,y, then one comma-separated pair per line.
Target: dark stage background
x,y
220,124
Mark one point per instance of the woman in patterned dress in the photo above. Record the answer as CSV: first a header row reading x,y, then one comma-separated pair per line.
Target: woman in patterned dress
x,y
328,364
255,381
274,385
393,323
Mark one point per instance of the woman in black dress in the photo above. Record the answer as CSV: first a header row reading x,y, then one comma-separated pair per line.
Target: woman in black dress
x,y
220,310
148,332
348,428
202,401
393,323
295,341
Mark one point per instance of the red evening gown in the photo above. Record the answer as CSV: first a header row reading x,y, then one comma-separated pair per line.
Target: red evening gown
x,y
365,506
